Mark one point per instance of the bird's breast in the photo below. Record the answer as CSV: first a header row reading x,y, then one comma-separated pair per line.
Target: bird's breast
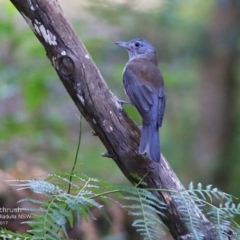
x,y
143,71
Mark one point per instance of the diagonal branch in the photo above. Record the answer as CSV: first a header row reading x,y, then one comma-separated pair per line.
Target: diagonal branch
x,y
102,111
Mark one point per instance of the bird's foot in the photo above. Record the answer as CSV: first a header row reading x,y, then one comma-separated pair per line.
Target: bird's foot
x,y
107,155
121,103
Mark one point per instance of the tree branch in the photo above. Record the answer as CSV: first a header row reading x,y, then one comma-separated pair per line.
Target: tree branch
x,y
102,110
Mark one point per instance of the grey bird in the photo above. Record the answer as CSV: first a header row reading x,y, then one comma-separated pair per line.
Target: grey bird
x,y
143,83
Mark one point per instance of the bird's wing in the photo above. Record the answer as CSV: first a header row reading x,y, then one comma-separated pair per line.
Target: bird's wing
x,y
141,97
161,105
144,94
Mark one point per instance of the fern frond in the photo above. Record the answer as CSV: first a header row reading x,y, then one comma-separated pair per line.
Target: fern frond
x,y
209,192
221,216
186,208
37,186
145,206
51,215
7,234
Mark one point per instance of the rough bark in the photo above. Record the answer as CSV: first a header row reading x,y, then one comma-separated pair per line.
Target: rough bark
x,y
102,111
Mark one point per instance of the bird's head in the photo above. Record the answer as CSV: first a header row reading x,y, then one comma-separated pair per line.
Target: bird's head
x,y
139,47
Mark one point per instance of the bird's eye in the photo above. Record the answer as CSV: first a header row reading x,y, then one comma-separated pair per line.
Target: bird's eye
x,y
137,44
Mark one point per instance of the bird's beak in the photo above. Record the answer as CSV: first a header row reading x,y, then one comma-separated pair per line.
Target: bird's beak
x,y
123,44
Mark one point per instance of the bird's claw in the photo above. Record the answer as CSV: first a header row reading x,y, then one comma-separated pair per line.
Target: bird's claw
x,y
122,102
107,155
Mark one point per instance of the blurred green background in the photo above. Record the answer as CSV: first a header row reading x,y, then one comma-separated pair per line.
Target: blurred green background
x,y
198,45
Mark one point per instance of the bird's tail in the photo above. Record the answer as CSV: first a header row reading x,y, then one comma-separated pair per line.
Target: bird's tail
x,y
150,141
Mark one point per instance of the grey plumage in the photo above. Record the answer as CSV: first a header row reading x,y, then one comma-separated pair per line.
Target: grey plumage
x,y
143,84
